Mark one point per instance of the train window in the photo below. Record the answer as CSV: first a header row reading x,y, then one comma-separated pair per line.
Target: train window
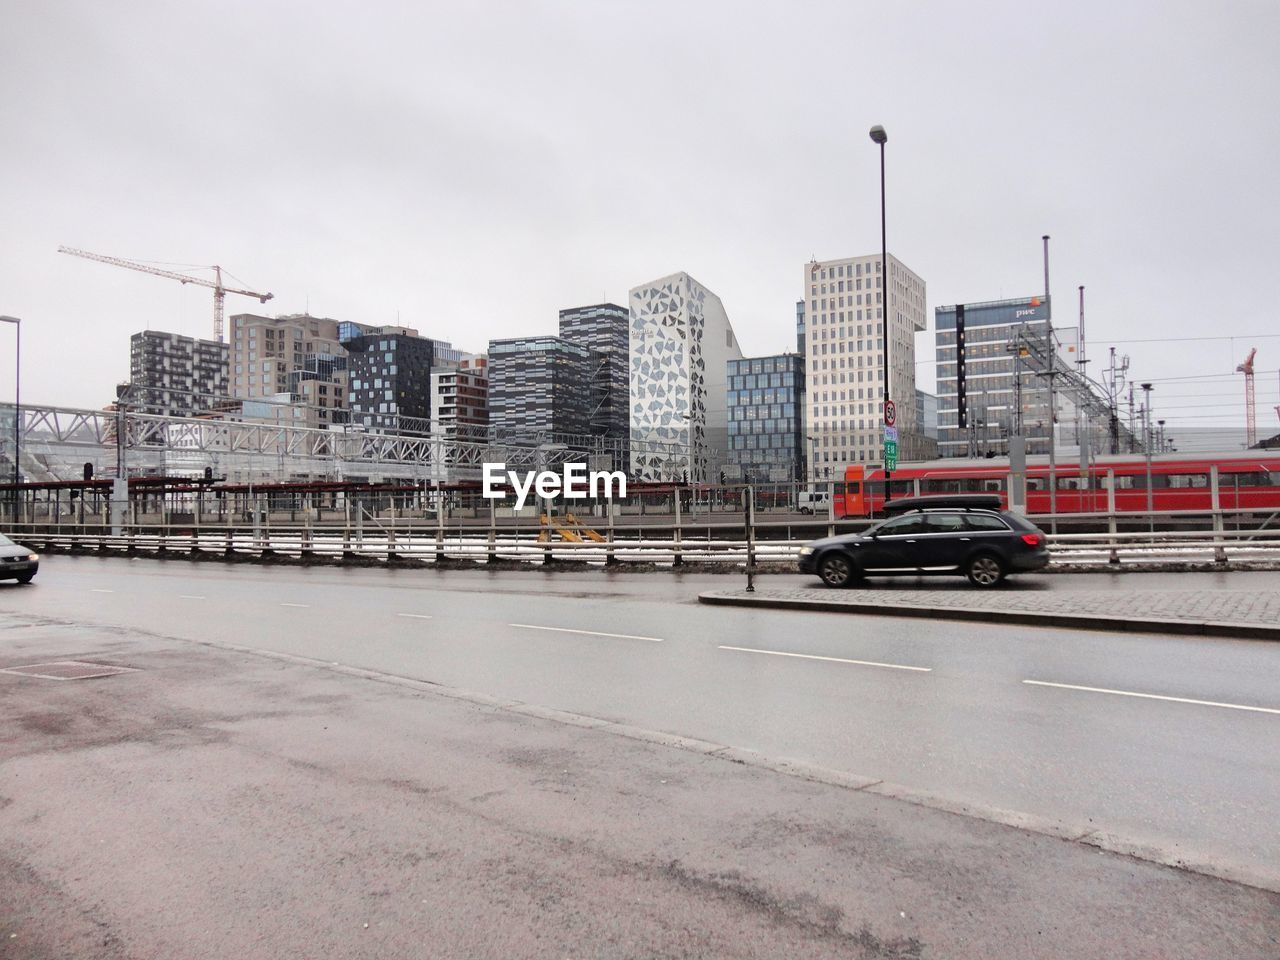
x,y
1186,481
1258,479
940,486
1037,483
853,487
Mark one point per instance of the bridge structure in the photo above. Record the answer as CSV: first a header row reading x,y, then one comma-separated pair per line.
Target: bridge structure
x,y
58,442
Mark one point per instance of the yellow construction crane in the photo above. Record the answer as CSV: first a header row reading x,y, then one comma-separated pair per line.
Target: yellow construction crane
x,y
219,291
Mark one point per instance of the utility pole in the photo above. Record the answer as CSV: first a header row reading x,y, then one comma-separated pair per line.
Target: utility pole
x,y
1082,395
1146,433
1133,437
1053,407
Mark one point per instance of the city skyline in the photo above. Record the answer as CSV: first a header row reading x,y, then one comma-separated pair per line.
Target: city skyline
x,y
388,195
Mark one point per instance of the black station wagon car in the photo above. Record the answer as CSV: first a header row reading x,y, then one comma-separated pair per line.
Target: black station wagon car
x,y
968,535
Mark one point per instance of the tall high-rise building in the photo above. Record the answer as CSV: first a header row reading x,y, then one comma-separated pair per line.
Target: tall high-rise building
x,y
460,399
603,329
539,385
389,379
176,376
680,344
844,326
266,351
766,425
1010,346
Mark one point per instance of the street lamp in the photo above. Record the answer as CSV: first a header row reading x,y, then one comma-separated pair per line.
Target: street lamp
x,y
880,137
17,404
1146,432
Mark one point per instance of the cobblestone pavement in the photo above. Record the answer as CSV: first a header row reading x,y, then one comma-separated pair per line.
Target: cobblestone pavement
x,y
1217,606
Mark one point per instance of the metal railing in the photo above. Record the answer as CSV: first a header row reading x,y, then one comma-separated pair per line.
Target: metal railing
x,y
392,539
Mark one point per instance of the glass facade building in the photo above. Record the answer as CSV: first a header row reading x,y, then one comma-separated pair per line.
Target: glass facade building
x,y
539,385
389,379
766,407
994,376
603,329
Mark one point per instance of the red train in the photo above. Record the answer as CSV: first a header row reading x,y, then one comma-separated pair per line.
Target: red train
x,y
1246,481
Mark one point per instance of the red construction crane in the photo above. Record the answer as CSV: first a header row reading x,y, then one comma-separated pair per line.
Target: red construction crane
x,y
1250,418
219,291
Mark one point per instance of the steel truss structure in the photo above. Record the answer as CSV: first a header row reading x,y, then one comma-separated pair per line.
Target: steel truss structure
x,y
57,443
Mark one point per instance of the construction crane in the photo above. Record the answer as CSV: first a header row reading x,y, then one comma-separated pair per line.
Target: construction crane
x,y
219,290
1250,418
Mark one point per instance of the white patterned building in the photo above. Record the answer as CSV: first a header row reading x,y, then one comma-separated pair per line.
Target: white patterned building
x,y
680,342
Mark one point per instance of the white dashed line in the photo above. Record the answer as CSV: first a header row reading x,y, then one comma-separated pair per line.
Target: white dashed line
x,y
98,590
1153,696
188,596
586,633
295,604
415,616
810,656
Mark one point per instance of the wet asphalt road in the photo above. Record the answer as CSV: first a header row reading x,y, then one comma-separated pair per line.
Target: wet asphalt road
x,y
939,707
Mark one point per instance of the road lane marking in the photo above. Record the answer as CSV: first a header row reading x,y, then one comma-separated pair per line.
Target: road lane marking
x,y
295,604
1153,696
415,616
810,656
188,596
97,590
588,633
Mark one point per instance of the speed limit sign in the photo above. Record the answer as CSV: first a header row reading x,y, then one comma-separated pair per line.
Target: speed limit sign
x,y
890,413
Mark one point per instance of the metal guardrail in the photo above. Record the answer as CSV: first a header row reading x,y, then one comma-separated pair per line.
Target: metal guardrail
x,y
428,544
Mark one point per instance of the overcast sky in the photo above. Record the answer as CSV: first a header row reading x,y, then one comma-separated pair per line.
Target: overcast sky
x,y
469,169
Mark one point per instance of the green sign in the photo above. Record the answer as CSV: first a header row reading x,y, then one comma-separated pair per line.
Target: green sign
x,y
891,454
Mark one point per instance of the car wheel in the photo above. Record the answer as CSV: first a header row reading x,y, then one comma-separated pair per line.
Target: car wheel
x,y
985,570
25,577
836,570
805,510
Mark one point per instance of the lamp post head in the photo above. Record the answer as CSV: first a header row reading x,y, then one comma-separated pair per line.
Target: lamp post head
x,y
8,319
878,134
1146,386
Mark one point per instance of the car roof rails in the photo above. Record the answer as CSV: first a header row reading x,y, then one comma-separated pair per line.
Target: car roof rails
x,y
953,501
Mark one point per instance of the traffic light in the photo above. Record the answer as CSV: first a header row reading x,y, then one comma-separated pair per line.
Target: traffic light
x,y
88,471
208,474
723,478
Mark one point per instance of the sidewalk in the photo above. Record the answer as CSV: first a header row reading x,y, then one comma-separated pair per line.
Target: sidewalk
x,y
1245,614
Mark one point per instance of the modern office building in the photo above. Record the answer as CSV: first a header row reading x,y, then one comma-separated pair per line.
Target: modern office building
x,y
267,351
844,360
460,399
348,330
389,379
604,330
680,345
927,414
1008,346
539,386
176,376
766,418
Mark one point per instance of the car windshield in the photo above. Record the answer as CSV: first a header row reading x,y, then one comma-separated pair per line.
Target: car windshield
x,y
6,542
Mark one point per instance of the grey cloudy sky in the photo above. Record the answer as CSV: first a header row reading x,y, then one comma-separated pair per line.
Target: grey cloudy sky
x,y
469,169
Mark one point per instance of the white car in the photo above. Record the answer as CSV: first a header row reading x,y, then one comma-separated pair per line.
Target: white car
x,y
16,561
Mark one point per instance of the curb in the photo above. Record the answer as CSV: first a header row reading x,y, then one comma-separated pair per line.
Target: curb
x,y
1074,621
